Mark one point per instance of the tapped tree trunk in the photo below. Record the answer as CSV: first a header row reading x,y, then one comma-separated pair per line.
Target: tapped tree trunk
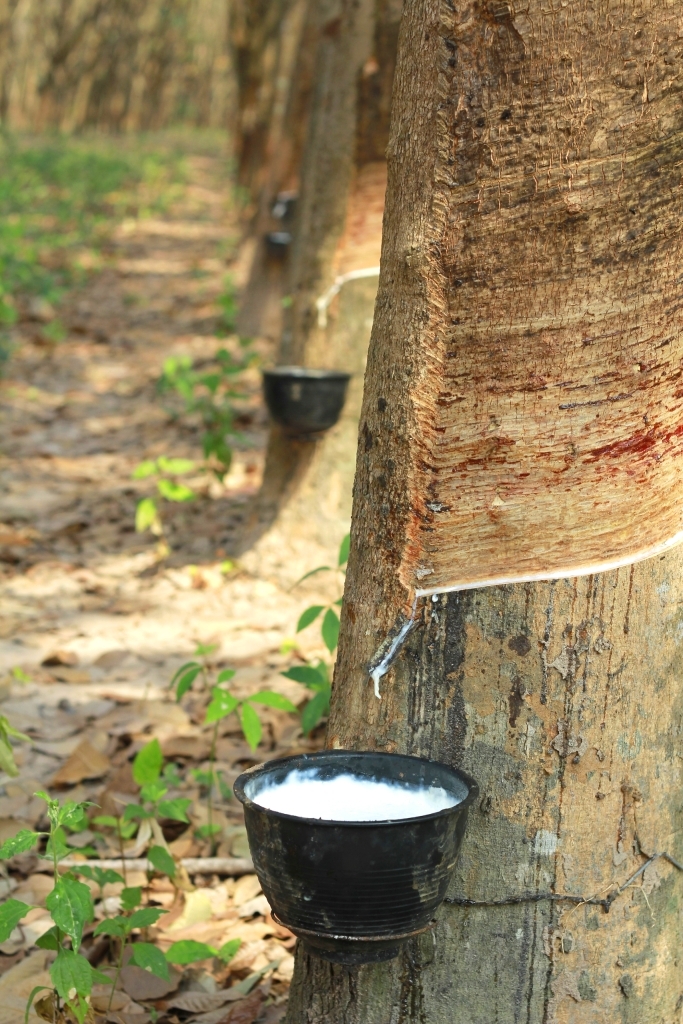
x,y
534,180
305,503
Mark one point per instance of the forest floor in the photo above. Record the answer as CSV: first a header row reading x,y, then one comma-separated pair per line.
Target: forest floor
x,y
96,618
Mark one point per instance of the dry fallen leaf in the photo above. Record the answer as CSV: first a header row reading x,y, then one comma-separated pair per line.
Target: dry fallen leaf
x,y
244,1012
85,763
60,658
198,908
140,984
246,888
202,1002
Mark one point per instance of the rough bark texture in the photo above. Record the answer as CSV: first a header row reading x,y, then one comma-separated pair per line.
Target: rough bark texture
x,y
530,275
274,74
563,699
306,496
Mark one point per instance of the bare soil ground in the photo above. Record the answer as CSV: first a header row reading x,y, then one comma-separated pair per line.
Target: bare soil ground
x,y
93,624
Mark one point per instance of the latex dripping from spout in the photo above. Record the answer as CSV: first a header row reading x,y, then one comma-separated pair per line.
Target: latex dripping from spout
x,y
392,646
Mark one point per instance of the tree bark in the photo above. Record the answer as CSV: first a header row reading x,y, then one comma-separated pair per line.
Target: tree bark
x,y
275,81
563,699
305,502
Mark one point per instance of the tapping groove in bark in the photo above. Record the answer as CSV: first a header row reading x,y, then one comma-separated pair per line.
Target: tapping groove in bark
x,y
531,257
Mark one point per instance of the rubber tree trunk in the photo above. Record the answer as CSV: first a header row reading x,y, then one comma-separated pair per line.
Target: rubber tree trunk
x,y
305,501
275,57
563,699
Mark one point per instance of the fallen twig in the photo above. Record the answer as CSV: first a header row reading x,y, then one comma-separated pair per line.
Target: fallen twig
x,y
193,865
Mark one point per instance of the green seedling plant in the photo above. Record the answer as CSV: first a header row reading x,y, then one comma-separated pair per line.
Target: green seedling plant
x,y
7,734
154,781
169,488
71,907
209,394
222,704
318,677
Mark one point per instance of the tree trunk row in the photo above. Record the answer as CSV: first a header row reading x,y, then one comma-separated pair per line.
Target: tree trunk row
x,y
137,64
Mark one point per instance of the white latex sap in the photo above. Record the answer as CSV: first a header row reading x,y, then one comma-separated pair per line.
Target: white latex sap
x,y
350,798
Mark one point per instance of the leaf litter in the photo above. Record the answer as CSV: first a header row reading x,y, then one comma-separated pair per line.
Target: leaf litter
x,y
95,622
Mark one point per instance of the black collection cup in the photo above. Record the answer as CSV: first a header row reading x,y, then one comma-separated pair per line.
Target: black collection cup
x,y
355,892
303,401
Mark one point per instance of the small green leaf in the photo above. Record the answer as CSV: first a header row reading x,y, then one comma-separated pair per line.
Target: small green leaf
x,y
24,840
316,708
309,616
189,951
7,763
56,844
105,821
344,550
11,913
51,939
306,674
251,725
147,763
70,904
172,491
229,949
144,470
273,700
34,993
176,809
118,926
185,682
203,650
151,959
101,876
176,467
222,705
226,675
145,917
146,515
330,630
100,978
153,792
134,812
313,572
207,831
131,897
70,972
162,860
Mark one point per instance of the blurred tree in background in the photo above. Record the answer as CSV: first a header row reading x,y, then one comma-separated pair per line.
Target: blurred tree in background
x,y
115,64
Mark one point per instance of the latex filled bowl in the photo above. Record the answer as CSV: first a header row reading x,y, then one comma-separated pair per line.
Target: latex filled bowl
x,y
355,892
305,401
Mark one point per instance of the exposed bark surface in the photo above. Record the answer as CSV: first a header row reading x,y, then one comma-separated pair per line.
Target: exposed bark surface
x,y
564,700
338,230
275,61
531,257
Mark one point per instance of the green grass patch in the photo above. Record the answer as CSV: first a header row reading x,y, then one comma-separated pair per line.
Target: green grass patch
x,y
60,199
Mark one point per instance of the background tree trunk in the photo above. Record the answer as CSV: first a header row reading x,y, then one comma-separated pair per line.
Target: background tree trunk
x,y
275,57
563,699
306,495
136,64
